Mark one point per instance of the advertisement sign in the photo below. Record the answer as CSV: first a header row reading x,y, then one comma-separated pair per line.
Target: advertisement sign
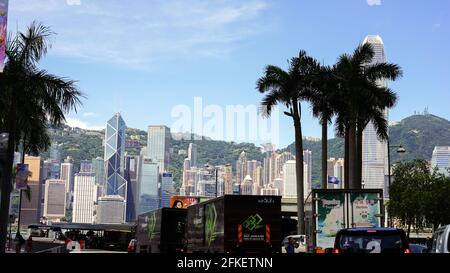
x,y
365,210
180,202
22,176
330,209
3,31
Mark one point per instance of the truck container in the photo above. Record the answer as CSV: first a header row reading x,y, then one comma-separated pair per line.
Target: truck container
x,y
235,224
161,231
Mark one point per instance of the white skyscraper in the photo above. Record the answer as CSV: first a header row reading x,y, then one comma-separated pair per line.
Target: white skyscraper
x,y
148,179
85,196
374,155
290,180
158,146
441,159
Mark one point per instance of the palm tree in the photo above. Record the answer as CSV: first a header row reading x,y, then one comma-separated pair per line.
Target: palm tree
x,y
290,88
362,100
323,109
31,98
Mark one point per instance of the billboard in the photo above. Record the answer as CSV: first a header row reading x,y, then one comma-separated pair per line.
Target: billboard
x,y
181,202
366,208
330,217
3,31
22,176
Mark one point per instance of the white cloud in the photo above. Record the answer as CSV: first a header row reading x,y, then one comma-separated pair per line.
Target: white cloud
x,y
73,122
90,114
142,33
374,2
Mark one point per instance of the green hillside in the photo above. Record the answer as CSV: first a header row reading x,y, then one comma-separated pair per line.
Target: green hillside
x,y
419,134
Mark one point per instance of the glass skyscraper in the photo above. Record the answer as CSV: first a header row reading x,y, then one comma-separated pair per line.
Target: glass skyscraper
x,y
148,180
114,157
375,154
158,145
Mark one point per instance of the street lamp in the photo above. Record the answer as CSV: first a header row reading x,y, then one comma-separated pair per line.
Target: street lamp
x,y
400,150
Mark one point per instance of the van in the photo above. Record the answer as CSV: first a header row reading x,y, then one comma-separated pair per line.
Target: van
x,y
441,242
367,240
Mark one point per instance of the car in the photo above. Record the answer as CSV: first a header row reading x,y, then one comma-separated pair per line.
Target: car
x,y
132,246
441,240
417,249
371,240
300,244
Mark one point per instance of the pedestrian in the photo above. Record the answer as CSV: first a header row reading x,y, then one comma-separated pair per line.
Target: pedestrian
x,y
29,248
19,240
290,248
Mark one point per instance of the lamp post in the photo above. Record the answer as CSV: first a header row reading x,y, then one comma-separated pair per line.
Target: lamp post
x,y
400,151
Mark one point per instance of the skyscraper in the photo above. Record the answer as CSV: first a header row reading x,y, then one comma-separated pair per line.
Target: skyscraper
x,y
130,174
441,159
374,154
247,186
98,166
114,157
241,167
307,159
167,189
84,198
290,180
109,210
86,166
31,210
158,146
55,199
228,179
192,154
67,175
148,179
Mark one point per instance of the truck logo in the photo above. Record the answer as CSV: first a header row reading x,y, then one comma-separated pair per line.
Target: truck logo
x,y
151,224
253,222
210,225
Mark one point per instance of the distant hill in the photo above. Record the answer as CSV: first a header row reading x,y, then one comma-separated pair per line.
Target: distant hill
x,y
419,134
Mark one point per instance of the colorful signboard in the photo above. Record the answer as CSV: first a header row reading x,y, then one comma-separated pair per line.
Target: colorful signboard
x,y
330,217
365,210
22,174
181,202
3,31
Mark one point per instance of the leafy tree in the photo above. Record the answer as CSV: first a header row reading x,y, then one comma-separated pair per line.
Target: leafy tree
x,y
30,97
409,193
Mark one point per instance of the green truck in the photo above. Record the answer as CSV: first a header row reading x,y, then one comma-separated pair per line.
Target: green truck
x,y
235,224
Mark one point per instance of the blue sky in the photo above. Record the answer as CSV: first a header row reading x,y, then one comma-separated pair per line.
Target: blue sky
x,y
143,57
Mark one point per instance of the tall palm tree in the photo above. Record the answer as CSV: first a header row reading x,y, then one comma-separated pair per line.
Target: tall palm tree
x,y
290,88
362,100
324,92
31,98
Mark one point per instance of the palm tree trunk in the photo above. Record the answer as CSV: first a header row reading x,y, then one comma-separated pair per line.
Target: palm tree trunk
x,y
6,181
324,154
299,169
346,160
359,148
352,156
